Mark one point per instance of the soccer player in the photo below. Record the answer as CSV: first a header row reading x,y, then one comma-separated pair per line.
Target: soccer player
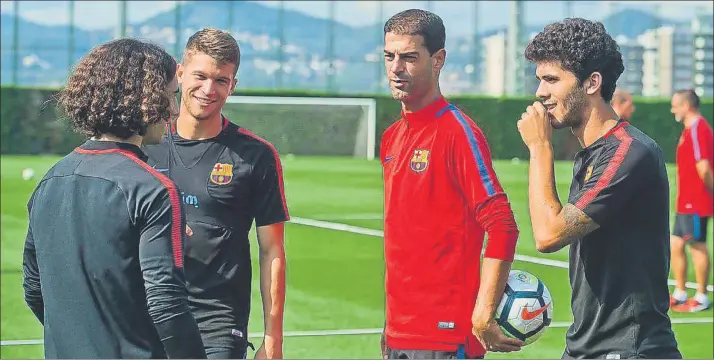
x,y
103,258
441,196
622,104
616,219
229,178
695,186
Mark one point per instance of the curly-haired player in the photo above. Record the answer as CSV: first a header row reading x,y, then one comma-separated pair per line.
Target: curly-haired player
x,y
103,257
616,220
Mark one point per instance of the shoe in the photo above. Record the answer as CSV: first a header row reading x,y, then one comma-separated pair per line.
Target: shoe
x,y
691,305
674,302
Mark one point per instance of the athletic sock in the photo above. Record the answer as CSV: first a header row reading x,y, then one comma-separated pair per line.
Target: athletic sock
x,y
679,295
702,298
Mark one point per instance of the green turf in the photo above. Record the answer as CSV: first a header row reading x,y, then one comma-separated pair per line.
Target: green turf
x,y
335,278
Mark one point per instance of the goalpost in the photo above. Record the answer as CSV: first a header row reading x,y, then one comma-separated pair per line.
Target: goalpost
x,y
309,126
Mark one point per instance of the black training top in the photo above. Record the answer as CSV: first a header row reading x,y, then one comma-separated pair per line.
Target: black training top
x,y
103,258
227,182
619,272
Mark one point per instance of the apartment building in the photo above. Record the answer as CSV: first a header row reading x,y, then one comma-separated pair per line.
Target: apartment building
x,y
632,58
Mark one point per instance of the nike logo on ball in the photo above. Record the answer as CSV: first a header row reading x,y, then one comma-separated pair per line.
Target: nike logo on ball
x,y
530,315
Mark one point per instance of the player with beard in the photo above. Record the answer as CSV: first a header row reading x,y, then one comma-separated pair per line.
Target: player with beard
x,y
616,220
229,179
441,197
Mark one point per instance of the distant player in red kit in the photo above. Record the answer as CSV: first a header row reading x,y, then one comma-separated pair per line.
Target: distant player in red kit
x,y
441,197
695,186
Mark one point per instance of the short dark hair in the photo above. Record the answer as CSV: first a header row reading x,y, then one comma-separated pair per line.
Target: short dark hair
x,y
218,44
690,96
419,22
119,88
582,47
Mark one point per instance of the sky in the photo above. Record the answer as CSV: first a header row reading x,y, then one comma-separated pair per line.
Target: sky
x,y
102,14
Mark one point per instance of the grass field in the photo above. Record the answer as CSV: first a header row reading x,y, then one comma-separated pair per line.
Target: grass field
x,y
335,273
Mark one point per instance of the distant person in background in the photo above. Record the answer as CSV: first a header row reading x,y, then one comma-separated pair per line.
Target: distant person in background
x,y
229,179
103,259
622,104
442,196
695,186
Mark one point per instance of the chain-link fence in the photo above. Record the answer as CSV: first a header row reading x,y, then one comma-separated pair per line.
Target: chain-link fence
x,y
336,46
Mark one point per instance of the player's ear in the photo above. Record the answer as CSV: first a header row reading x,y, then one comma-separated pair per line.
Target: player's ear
x,y
234,83
593,83
439,58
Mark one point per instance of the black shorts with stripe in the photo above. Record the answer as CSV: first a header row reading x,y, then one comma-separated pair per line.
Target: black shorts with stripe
x,y
691,227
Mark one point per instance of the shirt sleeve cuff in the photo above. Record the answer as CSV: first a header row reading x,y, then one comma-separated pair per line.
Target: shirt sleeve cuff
x,y
501,245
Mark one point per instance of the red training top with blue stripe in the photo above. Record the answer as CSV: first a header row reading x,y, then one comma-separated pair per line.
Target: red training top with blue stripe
x,y
695,144
441,197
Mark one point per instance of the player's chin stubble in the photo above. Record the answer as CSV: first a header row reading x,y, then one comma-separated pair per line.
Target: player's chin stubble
x,y
574,104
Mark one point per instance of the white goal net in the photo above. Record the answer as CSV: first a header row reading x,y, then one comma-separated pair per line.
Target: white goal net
x,y
309,126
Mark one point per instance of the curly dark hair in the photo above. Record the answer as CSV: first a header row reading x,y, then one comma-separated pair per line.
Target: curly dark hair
x,y
119,88
419,22
582,47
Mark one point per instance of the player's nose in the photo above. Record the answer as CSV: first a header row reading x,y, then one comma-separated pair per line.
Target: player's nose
x,y
396,68
208,87
542,91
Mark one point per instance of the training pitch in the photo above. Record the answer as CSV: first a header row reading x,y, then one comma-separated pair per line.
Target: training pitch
x,y
335,267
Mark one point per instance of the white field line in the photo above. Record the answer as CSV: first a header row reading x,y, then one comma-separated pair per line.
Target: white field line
x,y
363,216
556,324
380,233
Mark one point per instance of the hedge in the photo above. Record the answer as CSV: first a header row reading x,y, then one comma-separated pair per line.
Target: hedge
x,y
30,124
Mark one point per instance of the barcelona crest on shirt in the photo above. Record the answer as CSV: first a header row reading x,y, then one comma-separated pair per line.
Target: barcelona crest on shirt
x,y
420,160
588,173
222,174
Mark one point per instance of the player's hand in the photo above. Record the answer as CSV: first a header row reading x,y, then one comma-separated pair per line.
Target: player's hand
x,y
274,350
383,345
492,338
189,232
534,126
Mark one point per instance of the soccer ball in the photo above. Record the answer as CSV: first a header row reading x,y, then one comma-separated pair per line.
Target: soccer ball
x,y
28,174
526,308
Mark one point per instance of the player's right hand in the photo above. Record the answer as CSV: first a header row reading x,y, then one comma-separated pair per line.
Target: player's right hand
x,y
189,232
493,339
383,345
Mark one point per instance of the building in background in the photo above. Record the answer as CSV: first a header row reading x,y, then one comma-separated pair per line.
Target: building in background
x,y
530,81
703,41
494,60
632,58
667,60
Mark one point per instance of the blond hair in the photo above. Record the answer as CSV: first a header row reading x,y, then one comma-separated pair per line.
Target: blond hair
x,y
218,44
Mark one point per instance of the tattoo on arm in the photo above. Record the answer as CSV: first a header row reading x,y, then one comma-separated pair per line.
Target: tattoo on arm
x,y
577,223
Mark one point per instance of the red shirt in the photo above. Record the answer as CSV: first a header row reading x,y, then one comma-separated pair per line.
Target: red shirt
x,y
695,144
441,196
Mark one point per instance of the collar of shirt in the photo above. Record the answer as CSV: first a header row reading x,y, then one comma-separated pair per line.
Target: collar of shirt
x,y
601,140
96,145
174,133
425,115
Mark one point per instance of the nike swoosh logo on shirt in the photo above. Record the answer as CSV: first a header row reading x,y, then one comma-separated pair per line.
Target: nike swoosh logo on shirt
x,y
387,159
162,170
530,315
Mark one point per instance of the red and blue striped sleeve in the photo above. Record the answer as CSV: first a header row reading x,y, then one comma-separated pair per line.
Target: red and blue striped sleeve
x,y
472,168
702,141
